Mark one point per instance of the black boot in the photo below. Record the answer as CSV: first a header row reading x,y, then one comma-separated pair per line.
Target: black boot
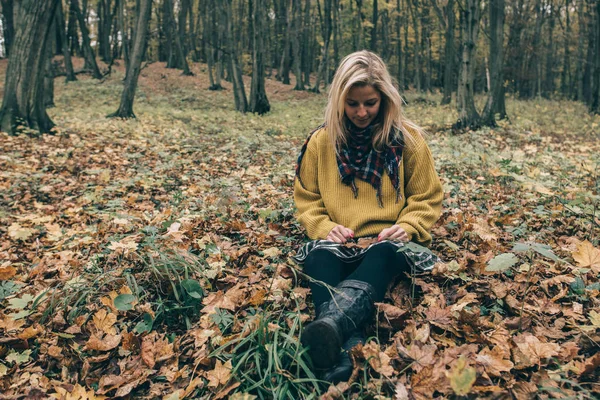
x,y
349,309
343,370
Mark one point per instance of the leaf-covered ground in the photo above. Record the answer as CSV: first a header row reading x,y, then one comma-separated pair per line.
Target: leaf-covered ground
x,y
150,258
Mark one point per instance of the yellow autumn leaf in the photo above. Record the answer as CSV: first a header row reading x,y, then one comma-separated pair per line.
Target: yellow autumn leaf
x,y
462,377
17,232
587,256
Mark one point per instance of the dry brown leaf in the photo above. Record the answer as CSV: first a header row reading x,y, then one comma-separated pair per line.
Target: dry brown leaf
x,y
7,272
423,356
31,331
587,256
220,375
107,343
104,322
530,351
484,231
493,361
378,360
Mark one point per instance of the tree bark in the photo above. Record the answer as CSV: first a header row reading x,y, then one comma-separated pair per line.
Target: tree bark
x,y
307,40
549,87
8,25
386,51
418,72
297,20
495,103
258,96
241,102
104,28
469,22
139,46
326,32
285,62
374,28
90,58
565,77
23,102
595,103
60,23
400,70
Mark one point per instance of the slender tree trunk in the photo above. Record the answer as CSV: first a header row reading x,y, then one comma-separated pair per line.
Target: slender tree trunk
x,y
241,102
285,64
336,33
258,95
359,21
400,71
139,46
386,51
90,57
426,46
23,102
8,25
326,32
580,48
374,28
588,71
306,44
550,56
495,102
565,77
413,10
60,23
447,20
72,32
405,52
469,21
297,19
595,101
123,30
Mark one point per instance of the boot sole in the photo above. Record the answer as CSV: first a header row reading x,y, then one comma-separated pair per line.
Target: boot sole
x,y
324,343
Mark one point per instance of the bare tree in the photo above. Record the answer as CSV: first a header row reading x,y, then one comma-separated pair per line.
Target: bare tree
x,y
258,96
239,93
469,24
133,71
8,25
23,102
495,103
90,58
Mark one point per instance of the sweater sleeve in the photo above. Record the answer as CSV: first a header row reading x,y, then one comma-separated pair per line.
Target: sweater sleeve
x,y
423,192
312,213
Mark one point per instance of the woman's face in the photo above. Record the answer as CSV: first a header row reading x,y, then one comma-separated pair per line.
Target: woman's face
x,y
362,105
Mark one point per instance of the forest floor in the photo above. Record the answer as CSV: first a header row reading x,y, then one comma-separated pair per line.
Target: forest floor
x,y
150,257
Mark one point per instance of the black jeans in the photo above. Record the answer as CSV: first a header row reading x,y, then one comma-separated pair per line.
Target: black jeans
x,y
380,265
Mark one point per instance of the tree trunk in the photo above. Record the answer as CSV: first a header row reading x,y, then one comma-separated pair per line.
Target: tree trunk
x,y
326,32
90,58
123,30
258,95
565,77
60,23
580,49
8,25
386,51
306,41
469,23
595,103
413,11
374,28
285,63
297,19
139,46
72,32
588,71
241,102
23,103
550,56
104,28
447,21
359,22
495,103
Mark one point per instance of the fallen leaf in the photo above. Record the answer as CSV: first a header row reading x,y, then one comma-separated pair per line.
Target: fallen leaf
x,y
493,361
378,360
104,322
7,272
109,342
462,377
220,375
587,256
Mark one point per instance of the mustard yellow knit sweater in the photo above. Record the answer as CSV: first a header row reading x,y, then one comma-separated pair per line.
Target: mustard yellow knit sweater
x,y
323,201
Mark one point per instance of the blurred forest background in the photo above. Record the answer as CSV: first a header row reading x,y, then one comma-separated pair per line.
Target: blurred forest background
x,y
148,257
525,48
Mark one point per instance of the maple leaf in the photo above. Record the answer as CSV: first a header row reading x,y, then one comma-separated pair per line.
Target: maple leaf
x,y
493,361
220,375
462,377
378,360
31,332
587,256
18,358
104,321
77,392
7,272
483,230
3,370
17,232
109,342
9,324
530,351
423,356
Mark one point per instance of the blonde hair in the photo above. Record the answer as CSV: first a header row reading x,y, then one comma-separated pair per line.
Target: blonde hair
x,y
367,68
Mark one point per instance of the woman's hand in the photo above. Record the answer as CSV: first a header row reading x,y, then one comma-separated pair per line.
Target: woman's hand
x,y
394,232
340,234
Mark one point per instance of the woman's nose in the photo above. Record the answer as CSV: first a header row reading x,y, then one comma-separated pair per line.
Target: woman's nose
x,y
362,112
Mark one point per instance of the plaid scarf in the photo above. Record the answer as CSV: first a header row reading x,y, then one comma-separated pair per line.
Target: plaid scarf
x,y
358,159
